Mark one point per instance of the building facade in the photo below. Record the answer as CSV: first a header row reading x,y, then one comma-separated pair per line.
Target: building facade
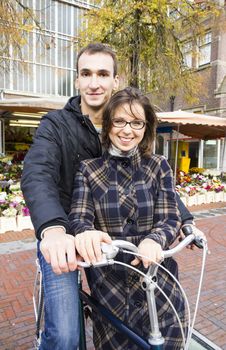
x,y
45,67
45,64
208,63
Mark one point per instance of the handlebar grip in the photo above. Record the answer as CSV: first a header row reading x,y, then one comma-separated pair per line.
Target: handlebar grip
x,y
83,264
121,244
103,262
187,230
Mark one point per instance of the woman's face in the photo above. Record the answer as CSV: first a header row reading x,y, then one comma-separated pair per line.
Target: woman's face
x,y
126,137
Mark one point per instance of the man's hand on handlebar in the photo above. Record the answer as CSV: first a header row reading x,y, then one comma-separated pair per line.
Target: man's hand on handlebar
x,y
58,249
151,249
88,245
187,229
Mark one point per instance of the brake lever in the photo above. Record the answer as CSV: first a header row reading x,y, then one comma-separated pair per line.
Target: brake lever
x,y
109,250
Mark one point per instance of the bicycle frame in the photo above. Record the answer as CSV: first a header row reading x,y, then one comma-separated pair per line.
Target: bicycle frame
x,y
117,323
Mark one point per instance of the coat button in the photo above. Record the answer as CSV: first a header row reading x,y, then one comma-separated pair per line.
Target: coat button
x,y
130,221
125,164
136,278
138,304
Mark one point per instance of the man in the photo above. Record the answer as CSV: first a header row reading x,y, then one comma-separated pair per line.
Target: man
x,y
63,138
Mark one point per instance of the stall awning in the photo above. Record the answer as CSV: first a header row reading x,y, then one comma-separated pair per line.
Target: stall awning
x,y
32,105
196,125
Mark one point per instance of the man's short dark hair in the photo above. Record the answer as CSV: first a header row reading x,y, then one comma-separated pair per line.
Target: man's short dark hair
x,y
91,49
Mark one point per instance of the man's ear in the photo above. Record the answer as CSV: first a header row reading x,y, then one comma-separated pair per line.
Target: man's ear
x,y
76,83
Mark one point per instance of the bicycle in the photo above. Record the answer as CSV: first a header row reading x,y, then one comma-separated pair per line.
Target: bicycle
x,y
155,340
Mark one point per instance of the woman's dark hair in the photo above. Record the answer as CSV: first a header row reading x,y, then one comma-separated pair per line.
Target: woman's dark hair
x,y
130,96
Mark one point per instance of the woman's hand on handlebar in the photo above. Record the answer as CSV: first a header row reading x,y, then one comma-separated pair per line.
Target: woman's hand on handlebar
x,y
88,245
151,249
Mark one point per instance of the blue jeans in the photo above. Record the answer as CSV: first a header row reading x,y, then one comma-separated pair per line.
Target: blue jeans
x,y
61,313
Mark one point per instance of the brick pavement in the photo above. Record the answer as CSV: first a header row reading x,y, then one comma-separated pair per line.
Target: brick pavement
x,y
16,308
17,276
211,318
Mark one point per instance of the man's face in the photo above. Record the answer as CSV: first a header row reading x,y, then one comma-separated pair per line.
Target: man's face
x,y
95,80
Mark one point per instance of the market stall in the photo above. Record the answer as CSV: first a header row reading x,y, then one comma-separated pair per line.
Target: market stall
x,y
199,126
195,188
199,185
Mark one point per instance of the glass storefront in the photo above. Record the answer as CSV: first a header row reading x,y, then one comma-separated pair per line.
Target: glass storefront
x,y
210,154
204,154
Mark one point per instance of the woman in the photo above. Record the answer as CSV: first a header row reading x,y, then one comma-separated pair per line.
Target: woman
x,y
128,194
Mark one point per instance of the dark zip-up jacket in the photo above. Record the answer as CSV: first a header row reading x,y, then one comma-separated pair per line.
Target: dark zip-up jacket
x,y
63,139
186,216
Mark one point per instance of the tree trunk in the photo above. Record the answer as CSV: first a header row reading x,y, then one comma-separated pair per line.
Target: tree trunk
x,y
135,55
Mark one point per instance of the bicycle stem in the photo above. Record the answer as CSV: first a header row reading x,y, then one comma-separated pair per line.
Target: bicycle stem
x,y
155,336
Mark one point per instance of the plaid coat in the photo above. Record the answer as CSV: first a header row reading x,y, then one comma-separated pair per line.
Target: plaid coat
x,y
132,199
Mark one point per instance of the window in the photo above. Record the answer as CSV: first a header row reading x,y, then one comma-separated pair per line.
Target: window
x,y
210,154
204,49
47,65
187,54
159,147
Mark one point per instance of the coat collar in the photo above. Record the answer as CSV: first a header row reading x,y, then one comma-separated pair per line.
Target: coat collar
x,y
133,161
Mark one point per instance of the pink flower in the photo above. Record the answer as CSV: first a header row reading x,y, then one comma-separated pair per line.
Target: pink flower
x,y
25,211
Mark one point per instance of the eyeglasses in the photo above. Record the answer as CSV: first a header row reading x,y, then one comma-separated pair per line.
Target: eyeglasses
x,y
135,124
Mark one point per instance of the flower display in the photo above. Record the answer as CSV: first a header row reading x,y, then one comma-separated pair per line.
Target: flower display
x,y
203,185
12,203
11,211
196,170
198,183
10,171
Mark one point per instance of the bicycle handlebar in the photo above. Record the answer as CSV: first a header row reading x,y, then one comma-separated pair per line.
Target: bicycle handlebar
x,y
110,251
